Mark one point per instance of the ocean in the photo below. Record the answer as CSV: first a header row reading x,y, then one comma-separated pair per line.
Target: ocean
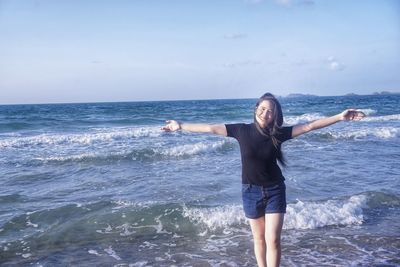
x,y
100,184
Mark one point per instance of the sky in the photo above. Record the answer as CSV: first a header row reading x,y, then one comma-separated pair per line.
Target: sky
x,y
69,51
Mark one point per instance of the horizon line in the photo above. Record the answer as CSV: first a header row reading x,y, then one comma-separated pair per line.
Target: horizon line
x,y
291,95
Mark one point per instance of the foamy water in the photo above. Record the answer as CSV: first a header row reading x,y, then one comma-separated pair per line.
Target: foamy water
x,y
300,215
101,184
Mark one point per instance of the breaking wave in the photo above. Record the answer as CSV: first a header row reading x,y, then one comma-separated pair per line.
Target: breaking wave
x,y
300,215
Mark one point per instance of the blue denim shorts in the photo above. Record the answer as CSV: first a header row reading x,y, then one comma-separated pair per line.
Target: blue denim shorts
x,y
259,200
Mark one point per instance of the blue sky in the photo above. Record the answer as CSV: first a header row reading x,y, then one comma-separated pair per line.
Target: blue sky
x,y
88,51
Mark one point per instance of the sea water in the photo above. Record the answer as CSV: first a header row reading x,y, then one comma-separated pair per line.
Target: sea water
x,y
100,184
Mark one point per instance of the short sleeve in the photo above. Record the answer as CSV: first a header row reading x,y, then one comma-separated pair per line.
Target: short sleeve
x,y
285,134
233,130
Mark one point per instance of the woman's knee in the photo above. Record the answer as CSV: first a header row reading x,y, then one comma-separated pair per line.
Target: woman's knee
x,y
273,241
259,243
260,239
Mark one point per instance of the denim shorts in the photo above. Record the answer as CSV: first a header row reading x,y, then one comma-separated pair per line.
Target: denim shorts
x,y
259,200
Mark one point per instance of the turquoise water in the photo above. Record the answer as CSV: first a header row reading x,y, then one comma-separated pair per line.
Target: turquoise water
x,y
101,184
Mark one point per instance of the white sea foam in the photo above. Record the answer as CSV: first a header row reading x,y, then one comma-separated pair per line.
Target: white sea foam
x,y
112,253
29,223
125,230
377,132
83,156
148,245
291,120
394,117
78,157
300,215
121,204
177,151
311,215
368,111
307,117
191,149
107,230
217,217
219,263
94,252
138,264
105,135
76,153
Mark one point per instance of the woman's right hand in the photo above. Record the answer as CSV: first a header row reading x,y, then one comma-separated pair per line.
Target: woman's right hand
x,y
171,126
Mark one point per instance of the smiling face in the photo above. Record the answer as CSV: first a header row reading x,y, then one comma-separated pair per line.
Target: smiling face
x,y
265,113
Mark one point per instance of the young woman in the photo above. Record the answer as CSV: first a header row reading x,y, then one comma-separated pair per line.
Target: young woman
x,y
263,187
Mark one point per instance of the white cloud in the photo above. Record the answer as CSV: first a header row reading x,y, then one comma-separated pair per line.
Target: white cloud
x,y
290,3
254,1
307,2
334,64
286,3
235,36
244,63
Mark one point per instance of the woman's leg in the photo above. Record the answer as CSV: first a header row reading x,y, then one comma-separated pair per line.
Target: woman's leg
x,y
258,230
273,230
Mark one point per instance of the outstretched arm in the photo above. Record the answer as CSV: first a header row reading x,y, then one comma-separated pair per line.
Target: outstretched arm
x,y
173,125
347,115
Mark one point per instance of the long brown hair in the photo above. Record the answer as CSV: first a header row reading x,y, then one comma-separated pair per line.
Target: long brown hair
x,y
274,128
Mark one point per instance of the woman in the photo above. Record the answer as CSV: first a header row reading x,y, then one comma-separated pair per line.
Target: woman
x,y
263,187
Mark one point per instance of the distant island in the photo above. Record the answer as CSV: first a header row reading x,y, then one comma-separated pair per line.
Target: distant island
x,y
351,94
376,93
298,95
386,93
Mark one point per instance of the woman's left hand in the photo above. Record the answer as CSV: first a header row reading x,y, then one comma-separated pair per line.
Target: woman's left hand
x,y
352,114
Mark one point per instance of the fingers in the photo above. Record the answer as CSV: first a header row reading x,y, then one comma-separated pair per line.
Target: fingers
x,y
361,114
353,114
168,127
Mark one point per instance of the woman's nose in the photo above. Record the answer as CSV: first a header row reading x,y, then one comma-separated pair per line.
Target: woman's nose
x,y
266,113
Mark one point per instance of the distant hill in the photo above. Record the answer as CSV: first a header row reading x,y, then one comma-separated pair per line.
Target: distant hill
x,y
299,95
386,93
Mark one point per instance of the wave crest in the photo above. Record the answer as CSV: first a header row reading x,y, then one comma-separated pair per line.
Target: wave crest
x,y
300,215
292,120
104,135
313,215
191,149
378,132
217,217
394,117
144,154
368,111
307,117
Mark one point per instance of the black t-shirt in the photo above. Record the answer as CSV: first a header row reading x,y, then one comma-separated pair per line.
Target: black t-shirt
x,y
258,153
